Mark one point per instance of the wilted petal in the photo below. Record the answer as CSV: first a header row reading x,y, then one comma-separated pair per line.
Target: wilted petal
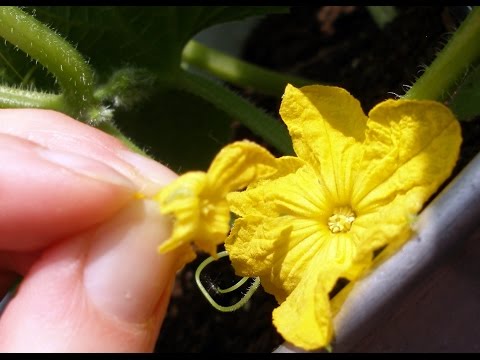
x,y
237,165
213,227
181,199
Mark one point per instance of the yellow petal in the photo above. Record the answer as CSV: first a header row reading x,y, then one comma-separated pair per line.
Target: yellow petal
x,y
305,319
237,165
279,250
309,303
185,254
213,227
181,199
197,218
298,193
411,148
327,126
252,244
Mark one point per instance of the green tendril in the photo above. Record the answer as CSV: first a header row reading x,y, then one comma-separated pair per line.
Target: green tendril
x,y
237,305
234,287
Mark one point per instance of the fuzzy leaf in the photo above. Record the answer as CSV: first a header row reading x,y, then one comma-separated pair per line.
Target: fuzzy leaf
x,y
466,102
142,36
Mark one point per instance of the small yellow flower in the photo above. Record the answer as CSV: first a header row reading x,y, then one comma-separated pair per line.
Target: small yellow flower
x,y
353,189
197,200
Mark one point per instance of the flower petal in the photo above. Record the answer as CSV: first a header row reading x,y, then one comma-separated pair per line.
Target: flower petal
x,y
279,250
252,244
304,318
237,165
181,199
298,193
327,126
213,227
309,303
411,148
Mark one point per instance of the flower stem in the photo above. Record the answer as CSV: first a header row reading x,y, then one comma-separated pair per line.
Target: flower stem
x,y
451,64
226,100
238,72
59,57
18,98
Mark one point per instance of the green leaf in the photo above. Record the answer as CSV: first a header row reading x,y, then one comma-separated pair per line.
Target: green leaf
x,y
180,130
17,69
466,102
141,36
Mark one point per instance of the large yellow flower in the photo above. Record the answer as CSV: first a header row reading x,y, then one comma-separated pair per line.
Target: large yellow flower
x,y
353,189
197,200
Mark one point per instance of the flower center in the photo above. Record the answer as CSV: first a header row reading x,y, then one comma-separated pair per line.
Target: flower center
x,y
206,207
341,219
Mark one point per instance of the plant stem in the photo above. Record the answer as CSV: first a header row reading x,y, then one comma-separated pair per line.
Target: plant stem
x,y
451,63
238,72
262,124
18,98
111,129
59,57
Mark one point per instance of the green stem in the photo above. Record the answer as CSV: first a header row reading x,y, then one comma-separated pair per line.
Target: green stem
x,y
451,63
18,98
269,128
238,72
59,57
111,129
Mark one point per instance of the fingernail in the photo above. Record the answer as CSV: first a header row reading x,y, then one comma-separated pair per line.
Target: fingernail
x,y
84,166
124,274
156,174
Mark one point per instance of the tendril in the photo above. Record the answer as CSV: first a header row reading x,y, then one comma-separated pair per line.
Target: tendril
x,y
237,305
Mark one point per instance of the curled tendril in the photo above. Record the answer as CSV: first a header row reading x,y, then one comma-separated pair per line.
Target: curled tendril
x,y
242,281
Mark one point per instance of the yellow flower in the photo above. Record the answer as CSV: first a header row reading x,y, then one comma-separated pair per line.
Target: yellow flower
x,y
197,200
353,189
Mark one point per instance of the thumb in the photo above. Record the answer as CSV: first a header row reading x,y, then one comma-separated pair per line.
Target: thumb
x,y
104,290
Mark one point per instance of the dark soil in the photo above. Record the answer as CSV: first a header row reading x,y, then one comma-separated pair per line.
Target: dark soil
x,y
332,45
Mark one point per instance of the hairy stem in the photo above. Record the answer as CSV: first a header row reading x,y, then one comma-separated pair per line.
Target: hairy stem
x,y
58,56
452,63
18,98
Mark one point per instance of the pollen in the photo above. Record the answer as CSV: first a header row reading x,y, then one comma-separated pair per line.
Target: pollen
x,y
341,219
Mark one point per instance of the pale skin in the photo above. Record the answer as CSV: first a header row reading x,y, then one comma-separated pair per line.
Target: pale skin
x,y
71,225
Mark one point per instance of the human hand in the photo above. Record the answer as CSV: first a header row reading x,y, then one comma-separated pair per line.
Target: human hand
x,y
71,225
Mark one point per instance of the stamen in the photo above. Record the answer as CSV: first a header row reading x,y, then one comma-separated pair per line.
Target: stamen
x,y
341,219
